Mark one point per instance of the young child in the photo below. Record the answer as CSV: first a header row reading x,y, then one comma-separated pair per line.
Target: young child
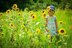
x,y
51,22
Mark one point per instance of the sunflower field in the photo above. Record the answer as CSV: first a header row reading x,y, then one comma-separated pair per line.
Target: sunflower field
x,y
26,29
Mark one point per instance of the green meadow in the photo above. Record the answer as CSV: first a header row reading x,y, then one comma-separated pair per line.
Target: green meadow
x,y
26,29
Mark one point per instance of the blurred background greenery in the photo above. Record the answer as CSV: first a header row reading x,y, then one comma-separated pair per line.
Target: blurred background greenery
x,y
35,4
9,17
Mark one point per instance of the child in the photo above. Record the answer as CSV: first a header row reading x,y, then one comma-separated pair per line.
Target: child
x,y
51,22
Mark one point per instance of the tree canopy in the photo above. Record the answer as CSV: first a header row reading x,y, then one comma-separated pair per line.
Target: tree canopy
x,y
34,4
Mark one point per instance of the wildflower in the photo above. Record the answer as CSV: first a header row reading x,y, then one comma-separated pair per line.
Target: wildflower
x,y
17,9
8,11
34,16
44,11
60,22
31,13
20,14
12,25
14,7
1,14
62,31
43,15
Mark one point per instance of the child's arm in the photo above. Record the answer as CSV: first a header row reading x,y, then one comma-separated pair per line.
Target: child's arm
x,y
56,25
46,24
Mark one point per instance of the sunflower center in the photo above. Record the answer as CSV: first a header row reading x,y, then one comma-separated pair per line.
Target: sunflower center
x,y
62,31
14,6
11,24
19,14
33,17
0,14
60,22
8,11
42,11
17,9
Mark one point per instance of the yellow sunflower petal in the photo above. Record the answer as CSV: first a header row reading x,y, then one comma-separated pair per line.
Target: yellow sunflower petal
x,y
34,16
14,7
43,15
8,11
62,31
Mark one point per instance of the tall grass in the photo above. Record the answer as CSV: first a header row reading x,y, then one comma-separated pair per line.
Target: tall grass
x,y
20,30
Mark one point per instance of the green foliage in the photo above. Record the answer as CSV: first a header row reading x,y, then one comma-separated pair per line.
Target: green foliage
x,y
35,4
24,35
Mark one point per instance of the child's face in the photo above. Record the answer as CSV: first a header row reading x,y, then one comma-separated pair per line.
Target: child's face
x,y
51,12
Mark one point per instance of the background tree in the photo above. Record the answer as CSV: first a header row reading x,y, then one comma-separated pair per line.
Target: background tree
x,y
34,4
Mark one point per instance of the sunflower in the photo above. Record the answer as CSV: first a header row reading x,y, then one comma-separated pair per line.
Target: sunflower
x,y
31,13
38,30
8,11
44,11
20,13
43,15
34,16
1,14
14,7
12,25
17,9
62,31
60,22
